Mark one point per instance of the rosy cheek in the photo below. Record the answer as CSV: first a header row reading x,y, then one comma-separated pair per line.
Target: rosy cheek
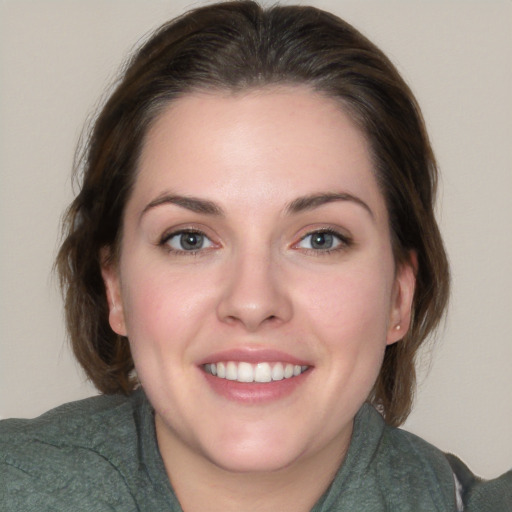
x,y
346,305
161,304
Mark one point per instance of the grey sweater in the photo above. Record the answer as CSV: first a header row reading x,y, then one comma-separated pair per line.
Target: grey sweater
x,y
101,454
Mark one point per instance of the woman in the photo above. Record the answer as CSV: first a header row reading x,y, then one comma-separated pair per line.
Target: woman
x,y
252,261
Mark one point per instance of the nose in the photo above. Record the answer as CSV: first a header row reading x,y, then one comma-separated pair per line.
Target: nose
x,y
254,292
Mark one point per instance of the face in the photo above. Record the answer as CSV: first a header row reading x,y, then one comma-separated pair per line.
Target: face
x,y
256,281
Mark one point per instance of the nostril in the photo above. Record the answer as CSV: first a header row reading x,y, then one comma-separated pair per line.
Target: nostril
x,y
253,305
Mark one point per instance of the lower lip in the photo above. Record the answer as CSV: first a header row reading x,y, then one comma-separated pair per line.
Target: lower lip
x,y
255,392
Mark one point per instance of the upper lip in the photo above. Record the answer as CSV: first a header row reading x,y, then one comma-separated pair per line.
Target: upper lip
x,y
254,355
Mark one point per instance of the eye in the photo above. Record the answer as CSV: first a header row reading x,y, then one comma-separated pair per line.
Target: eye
x,y
322,241
187,241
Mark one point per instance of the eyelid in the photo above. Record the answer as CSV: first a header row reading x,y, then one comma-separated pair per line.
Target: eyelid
x,y
180,230
170,229
345,240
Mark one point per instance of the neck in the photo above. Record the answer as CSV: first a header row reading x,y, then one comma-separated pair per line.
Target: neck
x,y
201,485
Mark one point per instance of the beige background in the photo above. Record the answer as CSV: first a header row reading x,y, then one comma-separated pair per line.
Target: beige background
x,y
56,59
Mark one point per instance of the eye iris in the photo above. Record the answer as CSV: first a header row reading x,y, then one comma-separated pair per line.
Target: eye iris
x,y
191,241
321,241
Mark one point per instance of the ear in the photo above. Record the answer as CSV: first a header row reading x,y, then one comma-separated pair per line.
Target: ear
x,y
403,295
110,274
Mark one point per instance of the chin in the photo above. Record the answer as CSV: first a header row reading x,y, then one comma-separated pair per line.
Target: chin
x,y
261,451
253,461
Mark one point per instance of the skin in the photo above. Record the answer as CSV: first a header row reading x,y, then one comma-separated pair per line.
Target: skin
x,y
257,283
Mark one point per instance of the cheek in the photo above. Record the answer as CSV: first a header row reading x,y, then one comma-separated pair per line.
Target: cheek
x,y
350,304
162,307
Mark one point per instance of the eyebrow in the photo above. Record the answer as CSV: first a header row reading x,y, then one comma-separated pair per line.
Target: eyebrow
x,y
193,204
298,205
315,200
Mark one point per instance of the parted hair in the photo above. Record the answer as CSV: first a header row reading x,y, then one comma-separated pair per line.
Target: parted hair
x,y
236,46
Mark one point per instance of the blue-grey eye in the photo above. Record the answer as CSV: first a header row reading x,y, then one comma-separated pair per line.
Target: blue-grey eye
x,y
320,241
188,241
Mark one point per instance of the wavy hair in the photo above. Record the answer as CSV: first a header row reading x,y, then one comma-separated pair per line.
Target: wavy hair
x,y
237,46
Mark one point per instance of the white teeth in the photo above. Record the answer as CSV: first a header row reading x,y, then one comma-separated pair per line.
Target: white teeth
x,y
278,372
245,372
221,370
231,371
263,373
260,372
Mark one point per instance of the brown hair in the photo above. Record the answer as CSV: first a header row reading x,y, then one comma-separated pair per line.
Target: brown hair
x,y
235,46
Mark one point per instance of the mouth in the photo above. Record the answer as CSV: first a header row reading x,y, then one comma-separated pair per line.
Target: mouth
x,y
262,372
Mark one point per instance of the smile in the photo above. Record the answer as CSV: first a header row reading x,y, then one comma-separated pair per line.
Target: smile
x,y
260,372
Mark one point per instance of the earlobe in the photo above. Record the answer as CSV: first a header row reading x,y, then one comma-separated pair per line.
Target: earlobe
x,y
402,301
110,275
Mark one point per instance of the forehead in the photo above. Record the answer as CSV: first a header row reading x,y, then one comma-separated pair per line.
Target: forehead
x,y
255,145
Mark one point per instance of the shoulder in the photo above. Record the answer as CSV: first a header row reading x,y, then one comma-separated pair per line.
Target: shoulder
x,y
77,425
420,455
79,451
411,458
411,464
479,495
386,469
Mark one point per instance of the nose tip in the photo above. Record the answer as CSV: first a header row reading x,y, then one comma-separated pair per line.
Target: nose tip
x,y
254,296
251,317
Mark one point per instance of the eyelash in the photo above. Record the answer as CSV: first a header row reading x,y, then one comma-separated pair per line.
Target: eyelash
x,y
164,242
344,242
